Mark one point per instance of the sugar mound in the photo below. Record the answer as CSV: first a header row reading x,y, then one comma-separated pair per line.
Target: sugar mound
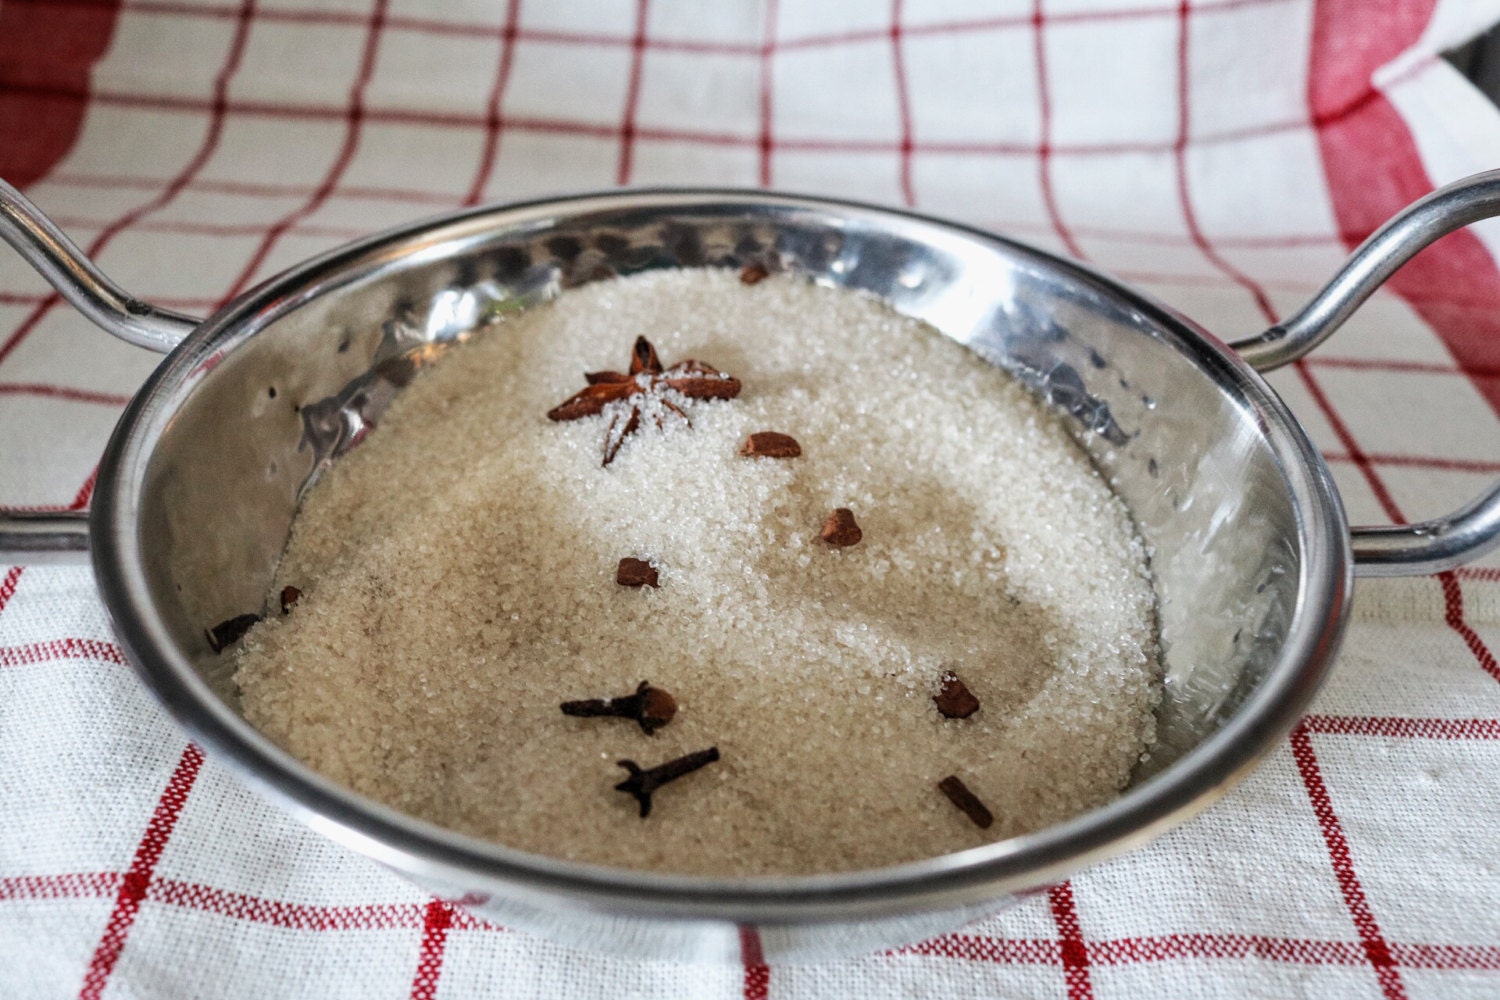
x,y
458,583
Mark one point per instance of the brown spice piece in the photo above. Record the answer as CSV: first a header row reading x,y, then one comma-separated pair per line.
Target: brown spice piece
x,y
753,274
958,793
770,444
229,631
955,700
650,706
694,379
642,783
840,528
633,572
398,371
289,598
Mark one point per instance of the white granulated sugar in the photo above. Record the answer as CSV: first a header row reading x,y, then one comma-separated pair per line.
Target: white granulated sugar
x,y
458,578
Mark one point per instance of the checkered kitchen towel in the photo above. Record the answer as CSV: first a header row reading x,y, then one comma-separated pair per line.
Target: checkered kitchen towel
x,y
1223,153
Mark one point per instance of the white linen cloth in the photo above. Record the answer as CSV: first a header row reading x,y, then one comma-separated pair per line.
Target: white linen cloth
x,y
1225,155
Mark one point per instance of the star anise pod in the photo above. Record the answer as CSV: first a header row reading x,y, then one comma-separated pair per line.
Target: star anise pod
x,y
646,380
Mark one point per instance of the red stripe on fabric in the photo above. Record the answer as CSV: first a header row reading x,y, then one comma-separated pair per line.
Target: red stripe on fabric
x,y
73,885
1377,952
1097,14
1002,951
1395,726
1375,169
1458,260
906,142
354,193
85,492
425,197
437,918
1367,189
1453,610
22,331
1297,951
1072,948
1452,596
470,28
1447,956
44,48
8,585
176,104
493,122
1349,43
1184,188
1488,574
1397,367
174,188
61,392
279,913
1044,151
1174,947
354,116
303,916
1418,462
188,227
34,653
767,88
1351,447
138,878
175,303
250,189
632,95
757,978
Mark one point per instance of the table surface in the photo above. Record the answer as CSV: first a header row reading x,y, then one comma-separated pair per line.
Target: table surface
x,y
1225,156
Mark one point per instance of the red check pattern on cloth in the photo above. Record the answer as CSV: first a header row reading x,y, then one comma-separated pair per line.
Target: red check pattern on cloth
x,y
1225,154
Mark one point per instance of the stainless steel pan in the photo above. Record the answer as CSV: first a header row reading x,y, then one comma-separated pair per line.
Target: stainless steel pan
x,y
1252,555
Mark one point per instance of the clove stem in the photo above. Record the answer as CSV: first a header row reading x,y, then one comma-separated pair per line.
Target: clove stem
x,y
642,783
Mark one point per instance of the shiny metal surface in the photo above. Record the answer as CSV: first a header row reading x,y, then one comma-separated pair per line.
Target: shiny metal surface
x,y
1249,545
1250,554
1431,546
44,539
1448,208
62,538
75,277
1474,530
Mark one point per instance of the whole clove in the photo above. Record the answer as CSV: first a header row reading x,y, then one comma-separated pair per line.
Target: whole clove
x,y
753,274
968,803
650,706
634,572
289,598
840,528
770,444
229,631
955,700
642,783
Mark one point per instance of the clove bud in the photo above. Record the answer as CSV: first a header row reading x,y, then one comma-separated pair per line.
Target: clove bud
x,y
840,529
632,572
650,706
770,444
955,700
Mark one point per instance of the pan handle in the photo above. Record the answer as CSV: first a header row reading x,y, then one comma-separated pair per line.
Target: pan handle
x,y
44,538
1377,258
76,278
1474,529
